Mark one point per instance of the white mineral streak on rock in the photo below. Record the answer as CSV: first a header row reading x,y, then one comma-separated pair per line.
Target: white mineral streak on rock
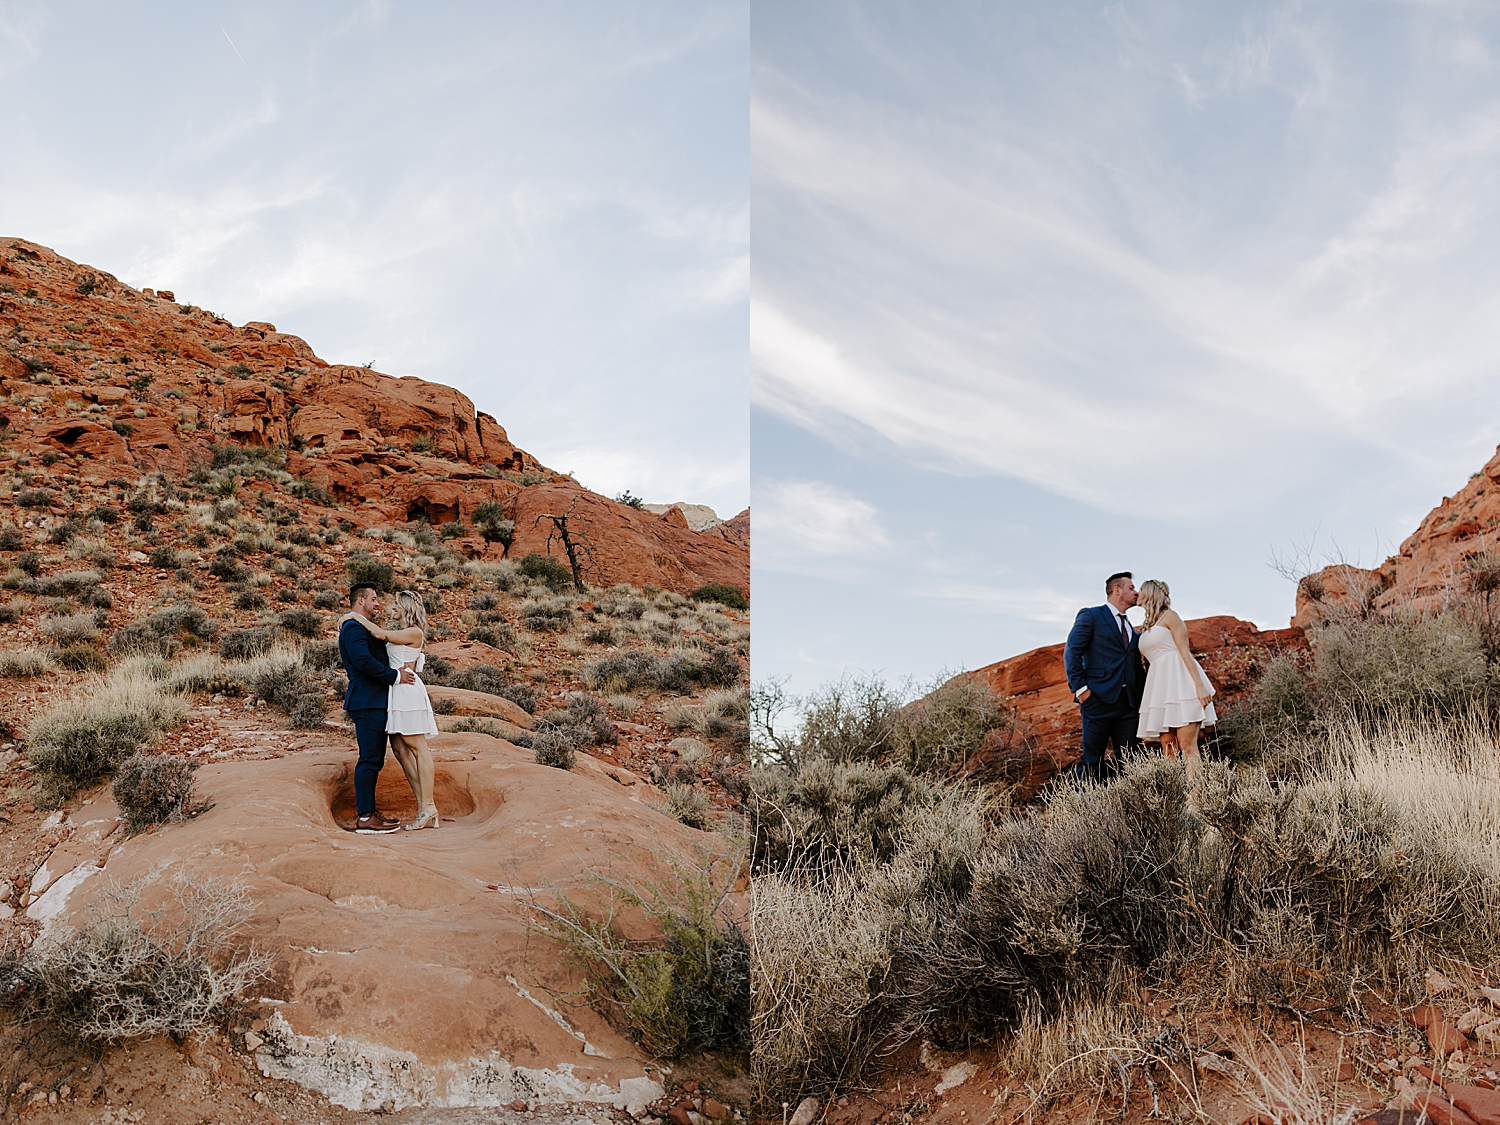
x,y
55,901
557,1018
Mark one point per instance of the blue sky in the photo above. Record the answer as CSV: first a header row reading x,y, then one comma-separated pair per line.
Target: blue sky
x,y
1043,291
545,205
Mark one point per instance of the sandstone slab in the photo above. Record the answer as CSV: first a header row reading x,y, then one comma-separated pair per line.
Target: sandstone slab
x,y
407,969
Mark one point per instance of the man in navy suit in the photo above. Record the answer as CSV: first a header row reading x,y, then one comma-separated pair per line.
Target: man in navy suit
x,y
370,679
1103,661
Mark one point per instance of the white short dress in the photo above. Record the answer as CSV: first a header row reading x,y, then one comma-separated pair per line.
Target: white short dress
x,y
408,710
1170,698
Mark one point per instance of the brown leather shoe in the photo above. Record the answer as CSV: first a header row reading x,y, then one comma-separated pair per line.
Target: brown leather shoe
x,y
375,824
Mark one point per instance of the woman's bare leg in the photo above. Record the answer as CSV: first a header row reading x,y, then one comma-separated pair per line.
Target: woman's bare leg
x,y
1187,739
423,756
1169,744
401,748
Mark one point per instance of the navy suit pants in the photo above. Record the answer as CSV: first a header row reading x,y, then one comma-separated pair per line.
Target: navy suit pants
x,y
1104,725
369,731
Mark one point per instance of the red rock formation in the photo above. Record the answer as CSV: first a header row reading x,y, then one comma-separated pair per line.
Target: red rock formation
x,y
1047,733
130,380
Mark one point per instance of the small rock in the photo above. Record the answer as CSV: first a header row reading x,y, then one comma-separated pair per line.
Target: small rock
x,y
1472,1019
518,1105
1437,984
679,1115
638,1093
1491,994
253,1042
1346,1071
806,1110
258,1098
715,1110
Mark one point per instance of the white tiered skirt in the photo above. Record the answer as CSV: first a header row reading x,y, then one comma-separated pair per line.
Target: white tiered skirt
x,y
408,710
1170,698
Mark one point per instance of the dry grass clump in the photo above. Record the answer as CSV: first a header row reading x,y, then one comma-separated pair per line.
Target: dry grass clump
x,y
23,663
77,742
155,958
77,628
689,805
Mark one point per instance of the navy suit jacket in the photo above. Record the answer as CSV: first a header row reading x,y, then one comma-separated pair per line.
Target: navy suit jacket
x,y
370,671
1096,657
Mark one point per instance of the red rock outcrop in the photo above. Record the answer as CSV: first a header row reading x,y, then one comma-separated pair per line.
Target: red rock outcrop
x,y
1046,735
114,378
1433,559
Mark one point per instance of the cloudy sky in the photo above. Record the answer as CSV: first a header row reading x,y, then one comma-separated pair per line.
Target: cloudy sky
x,y
1047,290
545,205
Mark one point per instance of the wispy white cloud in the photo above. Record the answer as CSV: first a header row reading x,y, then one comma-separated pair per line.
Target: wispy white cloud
x,y
808,525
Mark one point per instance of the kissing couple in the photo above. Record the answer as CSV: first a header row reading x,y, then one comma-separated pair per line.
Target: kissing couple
x,y
1120,701
387,699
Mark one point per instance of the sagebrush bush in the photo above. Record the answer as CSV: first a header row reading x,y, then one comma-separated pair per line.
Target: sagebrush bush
x,y
554,748
688,804
498,638
731,596
12,539
154,788
240,644
546,570
495,728
328,599
583,721
79,628
78,742
320,655
22,663
137,966
81,658
302,622
555,615
367,571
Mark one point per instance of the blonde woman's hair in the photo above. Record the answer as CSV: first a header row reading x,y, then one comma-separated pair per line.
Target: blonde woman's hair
x,y
409,611
1155,599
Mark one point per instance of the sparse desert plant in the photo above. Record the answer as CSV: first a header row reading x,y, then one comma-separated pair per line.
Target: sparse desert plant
x,y
320,655
153,788
81,658
554,748
583,721
688,991
249,599
553,615
239,644
283,682
30,562
547,571
946,726
34,497
302,622
164,557
12,539
495,728
367,571
498,638
731,596
328,599
9,613
688,804
79,741
23,663
78,628
154,958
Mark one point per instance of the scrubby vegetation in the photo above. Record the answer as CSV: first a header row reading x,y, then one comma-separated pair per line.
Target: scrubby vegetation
x,y
1348,835
152,788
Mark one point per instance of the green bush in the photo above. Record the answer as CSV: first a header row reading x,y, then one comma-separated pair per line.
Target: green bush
x,y
547,571
82,658
302,622
731,596
366,571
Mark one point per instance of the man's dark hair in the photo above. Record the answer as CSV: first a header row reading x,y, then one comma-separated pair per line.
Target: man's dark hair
x,y
1109,583
355,589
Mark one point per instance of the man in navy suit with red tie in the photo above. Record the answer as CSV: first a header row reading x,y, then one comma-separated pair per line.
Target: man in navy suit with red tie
x,y
1105,673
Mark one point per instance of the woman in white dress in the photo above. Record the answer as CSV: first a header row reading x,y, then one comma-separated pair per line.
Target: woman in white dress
x,y
1177,701
409,718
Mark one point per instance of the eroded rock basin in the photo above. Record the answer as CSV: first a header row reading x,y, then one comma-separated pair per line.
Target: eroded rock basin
x,y
405,969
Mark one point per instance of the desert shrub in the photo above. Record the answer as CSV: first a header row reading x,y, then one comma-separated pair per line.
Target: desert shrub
x,y
153,788
137,637
33,497
320,655
600,635
689,805
11,539
555,615
78,628
65,532
547,571
328,599
498,638
22,663
308,711
230,569
490,522
249,599
453,529
164,557
105,513
946,726
81,658
689,990
9,614
184,617
30,562
240,644
731,596
583,721
98,597
138,968
554,748
495,728
302,622
444,706
436,670
77,742
366,571
286,594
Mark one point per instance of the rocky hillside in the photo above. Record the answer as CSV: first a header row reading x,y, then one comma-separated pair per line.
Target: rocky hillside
x,y
101,381
1455,538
